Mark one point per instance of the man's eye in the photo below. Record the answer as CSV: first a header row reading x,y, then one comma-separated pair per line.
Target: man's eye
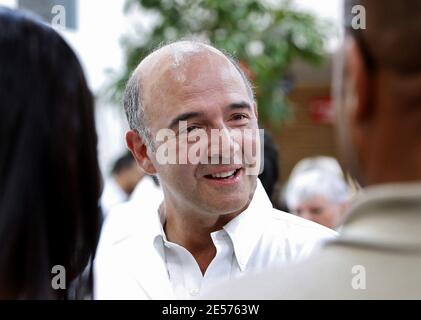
x,y
192,128
239,117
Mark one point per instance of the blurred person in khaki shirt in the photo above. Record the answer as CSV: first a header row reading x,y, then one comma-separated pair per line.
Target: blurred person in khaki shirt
x,y
378,255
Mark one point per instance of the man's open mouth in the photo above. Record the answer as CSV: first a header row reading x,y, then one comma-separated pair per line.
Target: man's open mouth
x,y
224,175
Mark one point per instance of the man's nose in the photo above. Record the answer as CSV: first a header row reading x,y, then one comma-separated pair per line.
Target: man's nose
x,y
223,145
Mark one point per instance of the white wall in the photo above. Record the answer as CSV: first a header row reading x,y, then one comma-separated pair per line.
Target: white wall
x,y
96,41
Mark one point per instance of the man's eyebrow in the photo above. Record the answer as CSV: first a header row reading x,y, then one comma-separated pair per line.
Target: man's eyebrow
x,y
183,117
240,105
188,115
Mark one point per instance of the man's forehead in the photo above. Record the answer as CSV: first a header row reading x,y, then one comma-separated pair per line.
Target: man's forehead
x,y
175,55
196,67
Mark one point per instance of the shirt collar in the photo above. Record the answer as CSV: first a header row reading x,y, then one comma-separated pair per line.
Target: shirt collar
x,y
386,214
244,230
157,229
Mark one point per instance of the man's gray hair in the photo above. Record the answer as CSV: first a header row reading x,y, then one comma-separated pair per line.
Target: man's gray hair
x,y
132,99
135,112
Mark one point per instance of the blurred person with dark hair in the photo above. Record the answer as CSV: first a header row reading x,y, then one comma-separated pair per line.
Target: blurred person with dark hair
x,y
270,174
317,191
378,95
49,174
125,175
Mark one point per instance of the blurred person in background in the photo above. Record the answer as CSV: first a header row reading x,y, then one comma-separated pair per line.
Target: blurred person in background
x,y
49,174
125,175
317,191
378,96
147,192
271,172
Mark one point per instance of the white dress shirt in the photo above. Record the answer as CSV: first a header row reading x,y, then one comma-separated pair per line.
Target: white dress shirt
x,y
184,273
135,260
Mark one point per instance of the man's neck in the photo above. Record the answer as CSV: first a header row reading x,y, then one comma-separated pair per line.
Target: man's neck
x,y
394,161
192,231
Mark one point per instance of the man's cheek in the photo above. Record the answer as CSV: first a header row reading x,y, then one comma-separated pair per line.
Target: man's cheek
x,y
238,141
167,147
253,151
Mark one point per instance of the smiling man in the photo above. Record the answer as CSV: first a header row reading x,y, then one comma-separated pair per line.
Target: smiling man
x,y
215,222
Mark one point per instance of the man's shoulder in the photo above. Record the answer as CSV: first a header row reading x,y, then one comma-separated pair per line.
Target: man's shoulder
x,y
292,237
288,223
289,281
124,222
333,272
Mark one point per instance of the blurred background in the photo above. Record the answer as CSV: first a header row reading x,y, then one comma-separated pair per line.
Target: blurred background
x,y
285,47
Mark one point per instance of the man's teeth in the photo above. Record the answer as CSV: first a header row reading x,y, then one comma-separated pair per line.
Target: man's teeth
x,y
223,174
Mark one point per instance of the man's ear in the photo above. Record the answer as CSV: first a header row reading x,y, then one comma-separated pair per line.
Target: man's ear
x,y
139,150
358,83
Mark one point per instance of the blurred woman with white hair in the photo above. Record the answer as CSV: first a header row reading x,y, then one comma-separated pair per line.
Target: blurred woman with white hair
x,y
317,191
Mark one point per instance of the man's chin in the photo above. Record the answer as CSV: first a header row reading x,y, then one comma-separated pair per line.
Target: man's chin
x,y
227,206
226,200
